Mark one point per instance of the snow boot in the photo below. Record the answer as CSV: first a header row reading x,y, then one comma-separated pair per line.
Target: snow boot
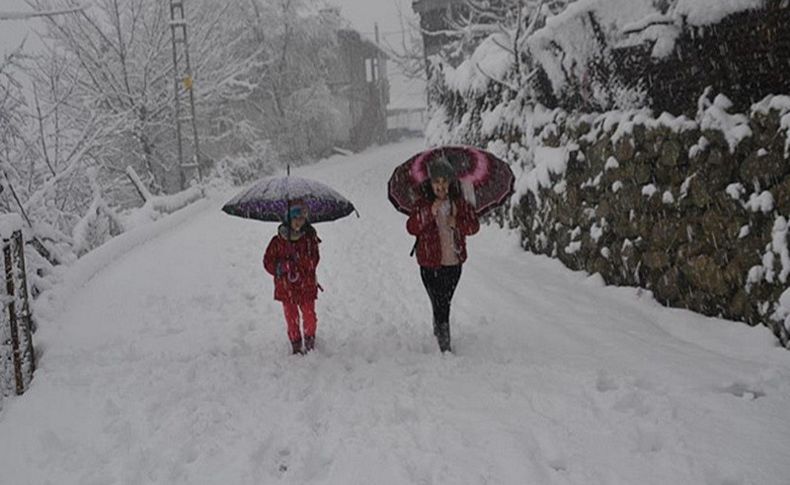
x,y
443,336
309,344
296,346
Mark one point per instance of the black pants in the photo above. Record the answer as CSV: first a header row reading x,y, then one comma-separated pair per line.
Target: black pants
x,y
440,283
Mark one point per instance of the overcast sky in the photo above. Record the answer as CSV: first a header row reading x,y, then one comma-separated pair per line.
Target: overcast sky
x,y
364,13
12,32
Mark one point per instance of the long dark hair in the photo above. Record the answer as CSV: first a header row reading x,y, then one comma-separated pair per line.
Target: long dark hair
x,y
307,228
454,192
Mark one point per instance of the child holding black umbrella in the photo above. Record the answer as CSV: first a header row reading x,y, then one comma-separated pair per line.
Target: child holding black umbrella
x,y
291,258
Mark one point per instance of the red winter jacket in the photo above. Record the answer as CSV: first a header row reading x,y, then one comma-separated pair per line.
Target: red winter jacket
x,y
422,224
293,264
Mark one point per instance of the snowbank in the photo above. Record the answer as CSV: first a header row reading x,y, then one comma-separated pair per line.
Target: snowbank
x,y
157,206
10,223
74,277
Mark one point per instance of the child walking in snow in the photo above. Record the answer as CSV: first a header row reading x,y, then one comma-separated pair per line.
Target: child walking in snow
x,y
291,258
441,221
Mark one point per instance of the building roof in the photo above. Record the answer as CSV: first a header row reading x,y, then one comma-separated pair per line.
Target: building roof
x,y
369,48
421,6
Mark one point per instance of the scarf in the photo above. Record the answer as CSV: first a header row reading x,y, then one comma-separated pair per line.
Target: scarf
x,y
284,232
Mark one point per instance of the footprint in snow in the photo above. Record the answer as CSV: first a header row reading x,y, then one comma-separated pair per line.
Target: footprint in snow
x,y
282,460
633,402
649,440
745,391
605,382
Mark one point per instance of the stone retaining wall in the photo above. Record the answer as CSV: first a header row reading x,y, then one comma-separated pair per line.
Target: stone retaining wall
x,y
694,210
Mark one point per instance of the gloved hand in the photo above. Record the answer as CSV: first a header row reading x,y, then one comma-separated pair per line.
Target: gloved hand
x,y
287,266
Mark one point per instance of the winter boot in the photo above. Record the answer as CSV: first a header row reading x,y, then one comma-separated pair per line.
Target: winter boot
x,y
443,336
296,345
309,343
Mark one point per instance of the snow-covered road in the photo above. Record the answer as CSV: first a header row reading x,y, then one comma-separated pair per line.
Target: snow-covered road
x,y
171,366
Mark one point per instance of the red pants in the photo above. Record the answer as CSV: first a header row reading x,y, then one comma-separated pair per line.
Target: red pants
x,y
309,319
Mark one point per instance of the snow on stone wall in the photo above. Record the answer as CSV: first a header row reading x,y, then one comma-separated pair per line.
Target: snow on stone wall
x,y
716,241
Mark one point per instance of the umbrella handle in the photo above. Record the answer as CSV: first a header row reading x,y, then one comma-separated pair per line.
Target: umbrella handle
x,y
293,276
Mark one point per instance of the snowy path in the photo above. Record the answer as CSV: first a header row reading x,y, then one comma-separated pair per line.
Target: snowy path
x,y
171,366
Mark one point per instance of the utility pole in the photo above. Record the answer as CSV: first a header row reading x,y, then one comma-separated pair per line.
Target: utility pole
x,y
184,100
381,84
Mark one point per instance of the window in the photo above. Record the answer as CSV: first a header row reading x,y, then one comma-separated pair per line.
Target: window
x,y
371,69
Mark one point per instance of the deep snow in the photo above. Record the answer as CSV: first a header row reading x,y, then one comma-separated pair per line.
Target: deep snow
x,y
170,365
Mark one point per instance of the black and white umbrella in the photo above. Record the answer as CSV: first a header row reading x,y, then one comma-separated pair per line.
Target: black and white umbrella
x,y
269,199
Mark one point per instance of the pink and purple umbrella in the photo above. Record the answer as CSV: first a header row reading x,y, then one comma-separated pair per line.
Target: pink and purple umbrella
x,y
485,181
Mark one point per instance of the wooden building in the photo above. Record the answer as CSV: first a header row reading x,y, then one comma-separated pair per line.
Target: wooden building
x,y
359,83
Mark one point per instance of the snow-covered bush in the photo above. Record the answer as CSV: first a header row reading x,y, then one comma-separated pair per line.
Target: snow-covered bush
x,y
246,167
314,121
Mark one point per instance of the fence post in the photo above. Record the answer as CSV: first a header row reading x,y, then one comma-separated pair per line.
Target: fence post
x,y
27,320
12,320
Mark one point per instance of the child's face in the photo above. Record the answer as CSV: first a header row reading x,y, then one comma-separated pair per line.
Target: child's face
x,y
298,222
441,187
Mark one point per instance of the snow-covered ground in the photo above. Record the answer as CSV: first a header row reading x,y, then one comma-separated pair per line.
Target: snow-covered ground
x,y
170,365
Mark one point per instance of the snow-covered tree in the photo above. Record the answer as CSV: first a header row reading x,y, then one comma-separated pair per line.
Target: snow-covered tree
x,y
12,143
408,52
292,98
118,58
99,100
486,45
474,20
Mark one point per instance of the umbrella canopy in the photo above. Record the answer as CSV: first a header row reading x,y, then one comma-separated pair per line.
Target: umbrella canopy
x,y
269,199
485,181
